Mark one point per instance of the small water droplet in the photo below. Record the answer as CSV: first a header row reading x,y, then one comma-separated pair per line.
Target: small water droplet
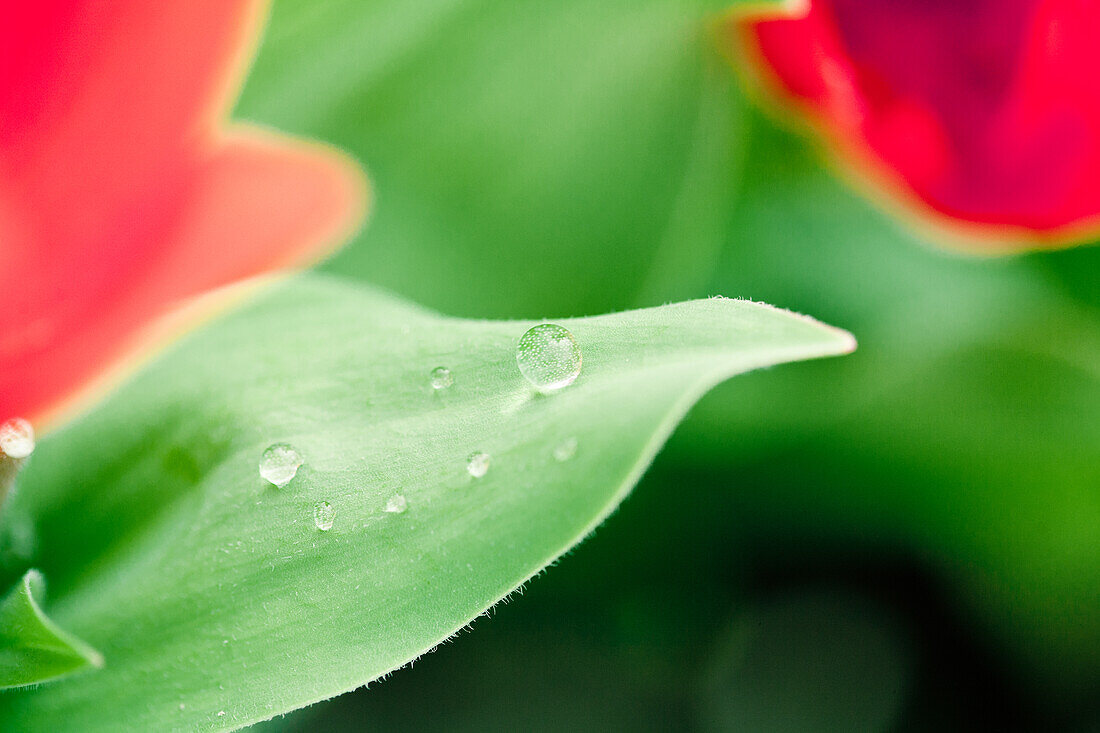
x,y
548,357
477,464
396,505
323,514
279,464
441,378
565,450
17,438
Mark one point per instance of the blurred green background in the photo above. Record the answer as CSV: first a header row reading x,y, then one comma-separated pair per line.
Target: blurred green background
x,y
904,539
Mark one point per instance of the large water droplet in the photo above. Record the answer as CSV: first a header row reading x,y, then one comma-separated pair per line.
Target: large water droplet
x,y
17,438
396,505
279,464
565,450
441,378
548,357
323,515
477,464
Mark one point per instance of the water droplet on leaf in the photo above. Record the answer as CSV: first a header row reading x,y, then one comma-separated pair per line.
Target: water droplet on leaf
x,y
441,378
477,464
548,357
565,450
323,515
279,464
17,438
396,505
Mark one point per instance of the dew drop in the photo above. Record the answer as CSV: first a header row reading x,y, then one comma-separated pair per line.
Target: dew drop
x,y
477,464
323,514
17,438
548,357
441,378
396,505
279,464
565,450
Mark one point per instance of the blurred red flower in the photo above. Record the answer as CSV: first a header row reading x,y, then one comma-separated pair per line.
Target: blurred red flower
x,y
121,190
987,111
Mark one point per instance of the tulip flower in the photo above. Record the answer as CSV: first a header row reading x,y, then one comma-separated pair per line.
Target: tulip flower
x,y
984,114
124,191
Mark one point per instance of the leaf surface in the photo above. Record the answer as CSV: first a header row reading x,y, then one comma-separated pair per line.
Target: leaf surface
x,y
172,555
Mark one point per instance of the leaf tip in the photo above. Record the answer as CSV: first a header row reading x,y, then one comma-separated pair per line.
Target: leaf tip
x,y
846,341
38,650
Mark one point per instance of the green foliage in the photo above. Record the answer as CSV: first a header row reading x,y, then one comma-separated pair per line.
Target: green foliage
x,y
961,433
32,648
576,156
556,157
166,549
568,157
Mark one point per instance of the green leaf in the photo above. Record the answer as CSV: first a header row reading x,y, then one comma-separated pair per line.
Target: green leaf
x,y
168,549
33,648
602,139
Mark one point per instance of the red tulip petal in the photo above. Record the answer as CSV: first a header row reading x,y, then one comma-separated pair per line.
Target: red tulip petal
x,y
987,112
119,197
